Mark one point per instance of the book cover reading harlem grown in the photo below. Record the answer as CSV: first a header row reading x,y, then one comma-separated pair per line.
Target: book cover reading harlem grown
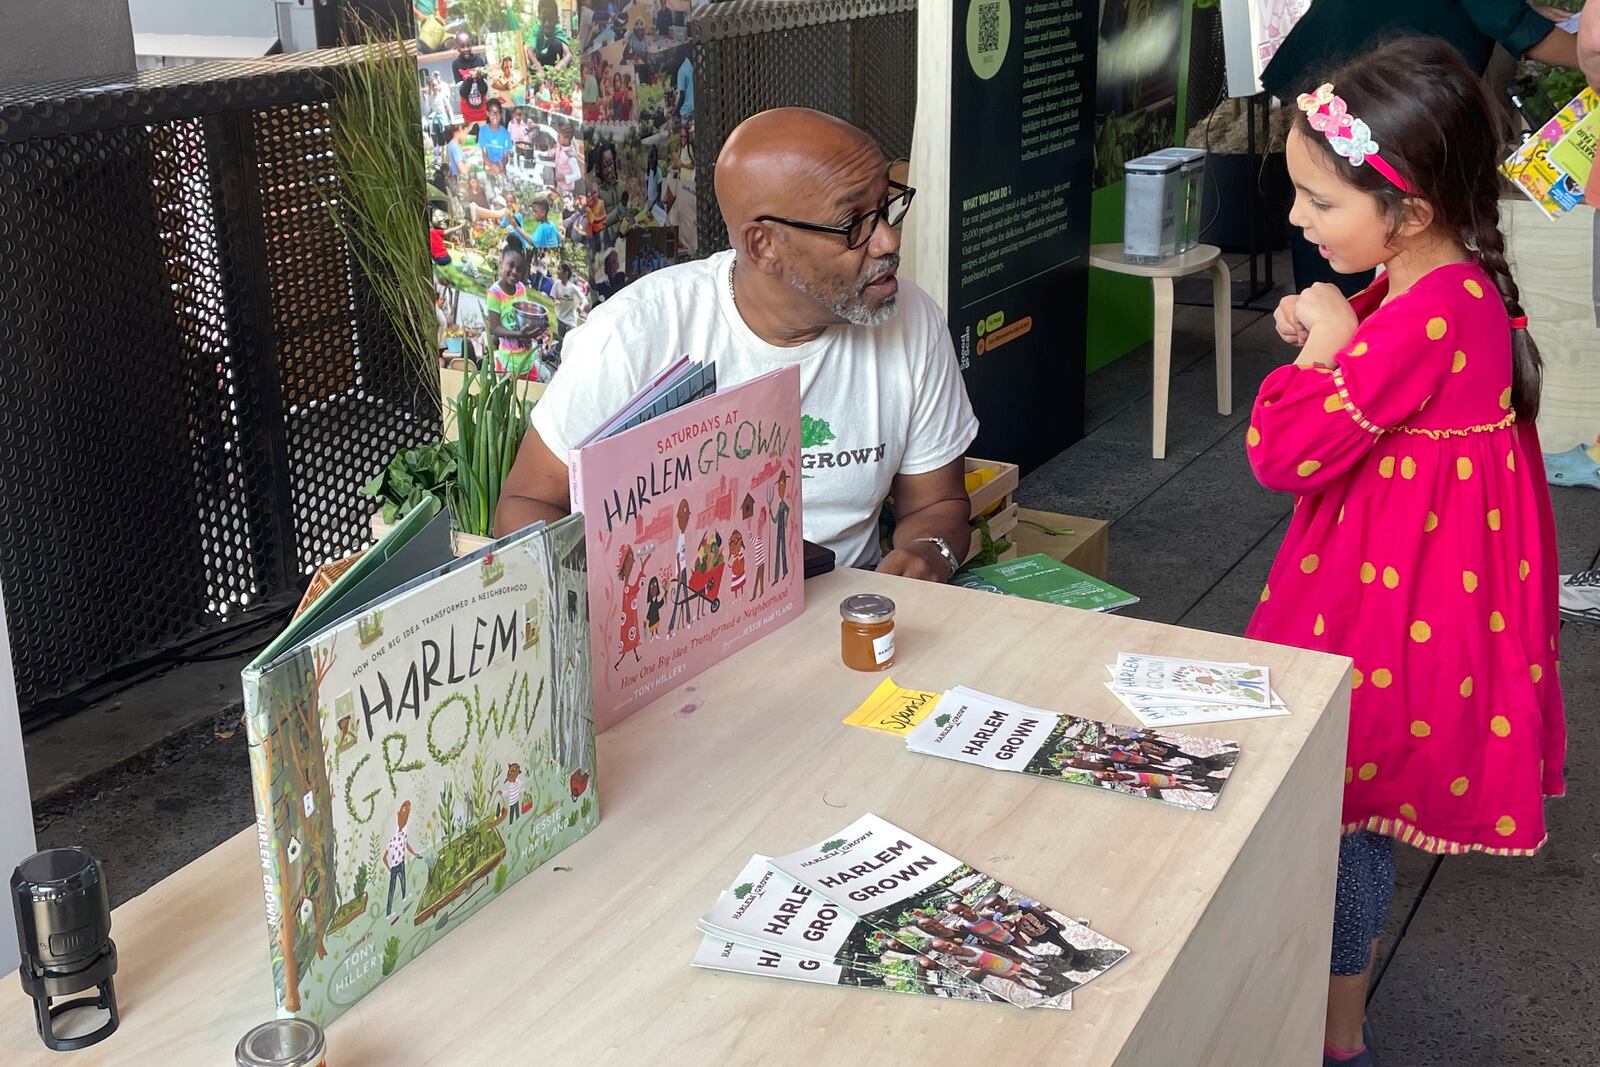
x,y
694,537
420,739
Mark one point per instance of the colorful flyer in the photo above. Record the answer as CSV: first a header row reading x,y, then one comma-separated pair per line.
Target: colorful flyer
x,y
1160,711
1178,769
1185,679
778,926
961,918
892,709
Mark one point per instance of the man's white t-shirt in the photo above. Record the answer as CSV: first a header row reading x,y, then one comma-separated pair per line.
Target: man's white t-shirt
x,y
876,401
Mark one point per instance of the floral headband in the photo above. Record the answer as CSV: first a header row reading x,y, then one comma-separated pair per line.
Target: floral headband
x,y
1350,137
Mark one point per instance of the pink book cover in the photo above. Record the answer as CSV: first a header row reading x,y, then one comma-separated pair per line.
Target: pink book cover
x,y
694,538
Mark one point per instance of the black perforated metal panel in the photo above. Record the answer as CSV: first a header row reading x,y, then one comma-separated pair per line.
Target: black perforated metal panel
x,y
856,59
196,383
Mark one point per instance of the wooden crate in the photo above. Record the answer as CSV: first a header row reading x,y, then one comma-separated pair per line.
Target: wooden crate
x,y
994,499
1086,548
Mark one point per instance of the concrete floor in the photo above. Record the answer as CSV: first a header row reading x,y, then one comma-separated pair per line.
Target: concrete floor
x,y
1498,965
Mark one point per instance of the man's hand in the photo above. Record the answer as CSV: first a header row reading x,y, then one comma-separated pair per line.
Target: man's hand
x,y
932,504
920,560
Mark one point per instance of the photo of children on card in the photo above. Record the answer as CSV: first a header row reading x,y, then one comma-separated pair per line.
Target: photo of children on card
x,y
1176,768
995,937
924,902
1179,769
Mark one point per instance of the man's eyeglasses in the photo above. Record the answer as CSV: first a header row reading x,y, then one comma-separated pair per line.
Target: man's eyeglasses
x,y
859,230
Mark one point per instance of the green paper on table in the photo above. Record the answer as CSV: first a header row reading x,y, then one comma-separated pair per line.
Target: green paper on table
x,y
1038,577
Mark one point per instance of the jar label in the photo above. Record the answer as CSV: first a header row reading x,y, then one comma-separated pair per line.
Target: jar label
x,y
883,648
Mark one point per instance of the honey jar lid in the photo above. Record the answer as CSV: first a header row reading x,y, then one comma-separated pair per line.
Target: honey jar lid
x,y
867,608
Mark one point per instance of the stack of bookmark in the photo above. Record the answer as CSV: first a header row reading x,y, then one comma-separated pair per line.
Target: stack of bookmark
x,y
1164,691
877,907
1180,769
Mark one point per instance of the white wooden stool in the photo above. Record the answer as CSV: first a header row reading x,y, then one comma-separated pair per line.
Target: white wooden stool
x,y
1197,259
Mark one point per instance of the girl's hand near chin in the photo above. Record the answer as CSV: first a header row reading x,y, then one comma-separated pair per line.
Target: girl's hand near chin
x,y
1330,323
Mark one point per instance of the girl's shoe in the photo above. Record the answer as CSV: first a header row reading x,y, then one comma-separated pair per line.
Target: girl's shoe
x,y
1363,1059
1580,597
1572,467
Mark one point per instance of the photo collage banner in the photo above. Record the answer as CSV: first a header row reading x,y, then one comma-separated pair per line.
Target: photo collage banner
x,y
559,138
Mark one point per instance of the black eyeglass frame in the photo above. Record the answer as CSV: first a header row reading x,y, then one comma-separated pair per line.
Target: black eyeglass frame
x,y
899,194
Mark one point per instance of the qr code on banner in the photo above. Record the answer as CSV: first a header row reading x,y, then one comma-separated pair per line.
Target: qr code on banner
x,y
989,26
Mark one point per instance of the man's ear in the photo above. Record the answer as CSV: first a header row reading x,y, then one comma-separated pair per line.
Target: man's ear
x,y
1416,216
759,248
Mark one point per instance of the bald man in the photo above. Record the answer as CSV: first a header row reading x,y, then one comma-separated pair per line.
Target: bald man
x,y
810,280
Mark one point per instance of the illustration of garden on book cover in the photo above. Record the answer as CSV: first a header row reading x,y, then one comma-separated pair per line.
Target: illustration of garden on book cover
x,y
413,761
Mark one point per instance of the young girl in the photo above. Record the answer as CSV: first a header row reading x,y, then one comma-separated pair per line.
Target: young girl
x,y
1422,544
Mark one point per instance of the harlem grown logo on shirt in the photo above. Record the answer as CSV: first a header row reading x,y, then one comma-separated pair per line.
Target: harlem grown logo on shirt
x,y
816,434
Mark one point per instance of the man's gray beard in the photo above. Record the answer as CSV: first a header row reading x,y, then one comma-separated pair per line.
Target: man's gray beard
x,y
852,309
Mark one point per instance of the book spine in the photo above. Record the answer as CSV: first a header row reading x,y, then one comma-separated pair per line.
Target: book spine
x,y
269,843
575,480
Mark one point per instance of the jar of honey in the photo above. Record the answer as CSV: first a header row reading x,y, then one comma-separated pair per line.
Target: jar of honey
x,y
867,633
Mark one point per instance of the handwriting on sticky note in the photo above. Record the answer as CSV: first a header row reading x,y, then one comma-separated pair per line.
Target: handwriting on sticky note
x,y
891,709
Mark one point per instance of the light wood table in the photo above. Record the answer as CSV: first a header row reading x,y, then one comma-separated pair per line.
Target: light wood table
x,y
1200,258
1228,913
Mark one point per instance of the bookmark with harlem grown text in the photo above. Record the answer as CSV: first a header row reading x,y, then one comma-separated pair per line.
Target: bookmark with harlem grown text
x,y
963,919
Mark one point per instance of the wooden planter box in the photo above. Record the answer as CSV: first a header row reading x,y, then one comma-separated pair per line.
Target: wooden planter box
x,y
994,501
460,543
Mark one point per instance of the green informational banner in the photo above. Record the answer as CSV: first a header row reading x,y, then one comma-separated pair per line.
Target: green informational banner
x,y
1022,85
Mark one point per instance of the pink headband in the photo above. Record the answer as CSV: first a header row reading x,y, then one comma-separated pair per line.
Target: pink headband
x,y
1350,137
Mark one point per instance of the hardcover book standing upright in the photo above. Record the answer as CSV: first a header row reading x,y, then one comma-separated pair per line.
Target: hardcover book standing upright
x,y
416,751
694,532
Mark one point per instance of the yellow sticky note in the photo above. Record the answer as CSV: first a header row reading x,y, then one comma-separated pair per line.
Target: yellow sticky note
x,y
892,710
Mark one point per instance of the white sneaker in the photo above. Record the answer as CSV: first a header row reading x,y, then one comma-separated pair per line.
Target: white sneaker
x,y
1580,597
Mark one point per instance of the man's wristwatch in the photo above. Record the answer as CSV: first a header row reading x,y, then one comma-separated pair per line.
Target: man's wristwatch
x,y
944,550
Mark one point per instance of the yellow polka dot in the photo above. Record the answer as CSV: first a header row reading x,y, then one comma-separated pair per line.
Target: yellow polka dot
x,y
1386,466
1469,581
1500,726
1309,564
1494,519
1360,349
1437,328
1505,397
1332,404
1391,577
1535,672
1349,775
1473,287
1253,437
1420,729
1432,524
1356,678
1266,593
1523,570
1497,621
1408,812
1463,468
1408,468
1319,627
1382,678
1368,772
1420,631
1368,572
1511,460
1459,364
1466,686
1308,468
1506,826
1459,786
